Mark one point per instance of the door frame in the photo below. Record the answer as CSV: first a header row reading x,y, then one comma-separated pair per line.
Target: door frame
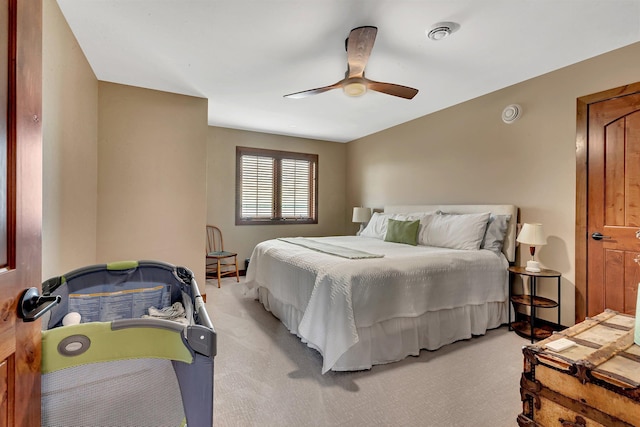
x,y
582,188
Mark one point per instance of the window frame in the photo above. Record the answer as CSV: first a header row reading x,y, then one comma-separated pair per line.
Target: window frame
x,y
278,156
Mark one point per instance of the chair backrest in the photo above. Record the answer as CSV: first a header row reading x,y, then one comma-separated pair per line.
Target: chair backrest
x,y
214,239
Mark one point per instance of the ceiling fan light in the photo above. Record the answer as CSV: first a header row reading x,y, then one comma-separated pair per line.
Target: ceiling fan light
x,y
354,89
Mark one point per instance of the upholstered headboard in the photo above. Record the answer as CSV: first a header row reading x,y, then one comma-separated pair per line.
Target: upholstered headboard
x,y
509,247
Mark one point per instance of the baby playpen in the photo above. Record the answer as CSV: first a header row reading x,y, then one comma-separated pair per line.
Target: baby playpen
x,y
142,353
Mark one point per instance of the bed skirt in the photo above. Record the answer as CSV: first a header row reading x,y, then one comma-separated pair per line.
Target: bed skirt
x,y
394,339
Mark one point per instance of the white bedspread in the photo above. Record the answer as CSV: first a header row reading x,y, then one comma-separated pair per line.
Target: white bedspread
x,y
338,295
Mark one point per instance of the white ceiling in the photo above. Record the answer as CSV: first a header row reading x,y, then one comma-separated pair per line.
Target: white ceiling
x,y
243,56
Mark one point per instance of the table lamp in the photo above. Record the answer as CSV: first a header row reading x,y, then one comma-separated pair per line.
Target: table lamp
x,y
361,215
532,235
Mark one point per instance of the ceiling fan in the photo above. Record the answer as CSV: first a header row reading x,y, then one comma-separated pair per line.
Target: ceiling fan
x,y
359,45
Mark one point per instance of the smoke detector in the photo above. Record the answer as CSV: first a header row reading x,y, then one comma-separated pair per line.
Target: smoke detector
x,y
442,30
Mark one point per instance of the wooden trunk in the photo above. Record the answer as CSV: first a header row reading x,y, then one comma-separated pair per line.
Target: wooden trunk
x,y
595,382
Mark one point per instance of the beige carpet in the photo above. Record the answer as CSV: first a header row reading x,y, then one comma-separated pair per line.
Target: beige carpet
x,y
265,376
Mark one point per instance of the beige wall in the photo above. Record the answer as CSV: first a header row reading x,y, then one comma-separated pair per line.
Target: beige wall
x,y
124,168
151,176
70,150
152,149
221,170
466,154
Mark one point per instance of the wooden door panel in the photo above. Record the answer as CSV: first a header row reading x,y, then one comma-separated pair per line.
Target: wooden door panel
x,y
614,176
587,192
619,236
4,392
614,276
625,164
613,204
631,280
614,173
632,174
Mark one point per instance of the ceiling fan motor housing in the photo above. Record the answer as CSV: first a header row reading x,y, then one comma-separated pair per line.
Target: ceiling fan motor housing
x,y
355,87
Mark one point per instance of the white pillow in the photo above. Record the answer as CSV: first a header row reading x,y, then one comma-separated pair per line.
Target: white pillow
x,y
419,215
423,217
464,231
496,232
377,226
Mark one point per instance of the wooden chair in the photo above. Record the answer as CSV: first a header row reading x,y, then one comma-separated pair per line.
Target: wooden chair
x,y
219,262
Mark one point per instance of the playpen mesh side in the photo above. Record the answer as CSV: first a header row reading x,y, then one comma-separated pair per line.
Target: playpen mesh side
x,y
133,392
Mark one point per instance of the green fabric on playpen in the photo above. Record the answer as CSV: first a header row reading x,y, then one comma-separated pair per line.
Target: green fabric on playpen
x,y
107,344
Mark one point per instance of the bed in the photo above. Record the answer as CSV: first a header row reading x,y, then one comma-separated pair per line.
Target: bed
x,y
377,298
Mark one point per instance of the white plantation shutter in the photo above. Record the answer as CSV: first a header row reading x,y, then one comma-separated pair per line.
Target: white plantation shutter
x,y
295,190
257,187
275,187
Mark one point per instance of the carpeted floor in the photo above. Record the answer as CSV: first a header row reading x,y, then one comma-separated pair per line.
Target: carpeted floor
x,y
265,376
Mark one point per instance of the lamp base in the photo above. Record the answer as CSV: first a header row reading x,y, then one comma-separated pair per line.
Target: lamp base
x,y
533,266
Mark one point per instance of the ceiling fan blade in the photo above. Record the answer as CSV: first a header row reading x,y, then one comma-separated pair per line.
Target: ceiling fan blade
x,y
305,93
392,89
359,46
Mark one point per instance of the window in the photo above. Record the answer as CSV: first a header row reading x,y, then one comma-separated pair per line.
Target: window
x,y
276,187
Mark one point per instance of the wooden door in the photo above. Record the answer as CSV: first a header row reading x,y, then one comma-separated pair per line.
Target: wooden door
x,y
20,207
613,204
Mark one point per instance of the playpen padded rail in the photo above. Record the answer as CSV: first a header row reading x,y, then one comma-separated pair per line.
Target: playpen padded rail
x,y
157,339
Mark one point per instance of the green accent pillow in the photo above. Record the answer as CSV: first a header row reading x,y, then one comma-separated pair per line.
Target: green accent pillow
x,y
402,231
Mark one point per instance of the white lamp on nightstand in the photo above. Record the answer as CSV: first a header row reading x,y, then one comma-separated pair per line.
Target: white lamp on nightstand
x,y
532,235
361,215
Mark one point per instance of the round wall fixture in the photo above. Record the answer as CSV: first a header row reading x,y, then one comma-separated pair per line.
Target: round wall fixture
x,y
511,113
442,30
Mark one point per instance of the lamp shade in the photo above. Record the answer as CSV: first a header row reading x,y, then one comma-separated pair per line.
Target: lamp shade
x,y
361,215
532,234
